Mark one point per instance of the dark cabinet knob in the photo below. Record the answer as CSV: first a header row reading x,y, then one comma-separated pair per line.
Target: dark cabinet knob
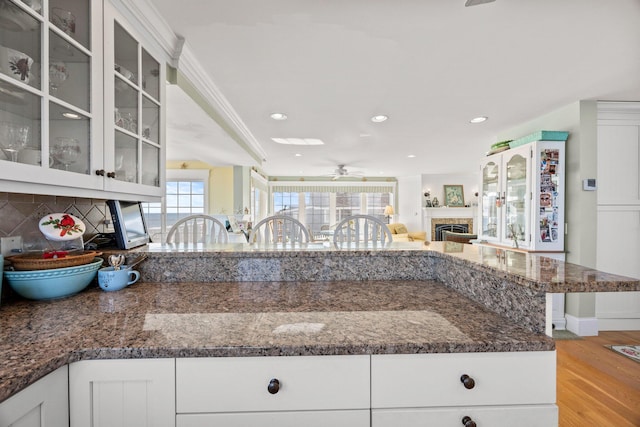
x,y
274,386
468,422
111,174
467,381
100,172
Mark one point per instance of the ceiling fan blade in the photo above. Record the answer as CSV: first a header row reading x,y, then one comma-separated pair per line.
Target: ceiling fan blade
x,y
477,2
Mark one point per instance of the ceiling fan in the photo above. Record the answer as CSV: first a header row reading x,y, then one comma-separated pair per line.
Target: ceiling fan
x,y
477,2
342,172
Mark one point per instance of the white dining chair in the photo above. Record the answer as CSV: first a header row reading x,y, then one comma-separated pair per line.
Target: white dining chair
x,y
363,230
198,228
279,229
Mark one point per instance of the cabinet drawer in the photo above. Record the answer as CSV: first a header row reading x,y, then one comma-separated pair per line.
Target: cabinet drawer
x,y
423,380
241,384
494,416
357,418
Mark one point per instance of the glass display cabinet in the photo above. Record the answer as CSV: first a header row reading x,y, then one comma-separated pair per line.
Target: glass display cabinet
x,y
81,100
521,203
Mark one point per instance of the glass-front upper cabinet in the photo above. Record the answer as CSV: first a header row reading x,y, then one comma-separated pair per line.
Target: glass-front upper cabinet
x,y
48,92
134,114
522,197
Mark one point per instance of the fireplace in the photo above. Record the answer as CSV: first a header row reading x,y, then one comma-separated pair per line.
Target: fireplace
x,y
458,225
452,219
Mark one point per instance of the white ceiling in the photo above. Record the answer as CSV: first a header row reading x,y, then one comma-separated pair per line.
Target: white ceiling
x,y
431,65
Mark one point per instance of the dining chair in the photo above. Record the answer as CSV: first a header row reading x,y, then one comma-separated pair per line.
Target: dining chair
x,y
362,229
198,228
279,229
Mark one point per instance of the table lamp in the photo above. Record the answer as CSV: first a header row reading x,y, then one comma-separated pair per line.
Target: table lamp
x,y
388,212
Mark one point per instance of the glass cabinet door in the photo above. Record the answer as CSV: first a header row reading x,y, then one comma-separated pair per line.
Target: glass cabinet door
x,y
136,112
20,82
516,203
490,200
46,62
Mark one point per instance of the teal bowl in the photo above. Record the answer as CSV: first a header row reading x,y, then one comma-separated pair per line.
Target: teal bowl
x,y
53,283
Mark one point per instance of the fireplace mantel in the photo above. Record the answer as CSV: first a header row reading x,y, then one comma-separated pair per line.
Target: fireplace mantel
x,y
447,214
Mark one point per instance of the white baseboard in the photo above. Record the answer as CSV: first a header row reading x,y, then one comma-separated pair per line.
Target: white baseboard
x,y
618,324
560,323
582,326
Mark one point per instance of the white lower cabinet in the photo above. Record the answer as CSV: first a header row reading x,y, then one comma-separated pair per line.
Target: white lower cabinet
x,y
294,391
356,418
490,416
45,403
123,393
441,389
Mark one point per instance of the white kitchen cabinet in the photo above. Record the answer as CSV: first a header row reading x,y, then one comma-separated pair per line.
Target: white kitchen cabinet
x,y
494,416
618,224
234,391
123,393
51,110
56,136
45,403
441,389
521,201
356,418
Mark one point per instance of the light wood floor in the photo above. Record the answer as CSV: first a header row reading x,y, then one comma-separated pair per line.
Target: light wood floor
x,y
596,386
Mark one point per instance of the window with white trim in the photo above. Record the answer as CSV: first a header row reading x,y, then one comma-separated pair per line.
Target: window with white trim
x,y
186,193
322,206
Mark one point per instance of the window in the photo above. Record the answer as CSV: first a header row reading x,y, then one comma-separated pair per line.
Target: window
x,y
347,204
321,206
186,193
376,202
183,198
286,204
317,211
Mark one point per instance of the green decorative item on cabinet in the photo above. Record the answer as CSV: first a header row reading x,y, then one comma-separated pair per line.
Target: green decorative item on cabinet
x,y
543,135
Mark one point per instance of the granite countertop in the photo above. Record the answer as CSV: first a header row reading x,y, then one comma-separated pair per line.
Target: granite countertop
x,y
531,270
151,320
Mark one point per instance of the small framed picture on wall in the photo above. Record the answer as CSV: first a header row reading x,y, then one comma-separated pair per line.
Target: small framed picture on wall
x,y
453,196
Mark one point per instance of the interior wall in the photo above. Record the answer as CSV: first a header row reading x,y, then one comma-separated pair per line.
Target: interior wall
x,y
408,210
221,184
436,183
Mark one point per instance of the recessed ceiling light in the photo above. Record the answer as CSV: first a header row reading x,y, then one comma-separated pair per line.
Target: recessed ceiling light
x,y
379,118
298,155
411,156
298,141
478,119
70,115
278,116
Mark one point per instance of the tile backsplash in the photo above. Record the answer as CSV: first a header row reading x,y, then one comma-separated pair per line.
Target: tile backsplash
x,y
20,213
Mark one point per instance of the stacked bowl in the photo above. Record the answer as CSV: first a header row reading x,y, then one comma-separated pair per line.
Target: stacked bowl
x,y
38,278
